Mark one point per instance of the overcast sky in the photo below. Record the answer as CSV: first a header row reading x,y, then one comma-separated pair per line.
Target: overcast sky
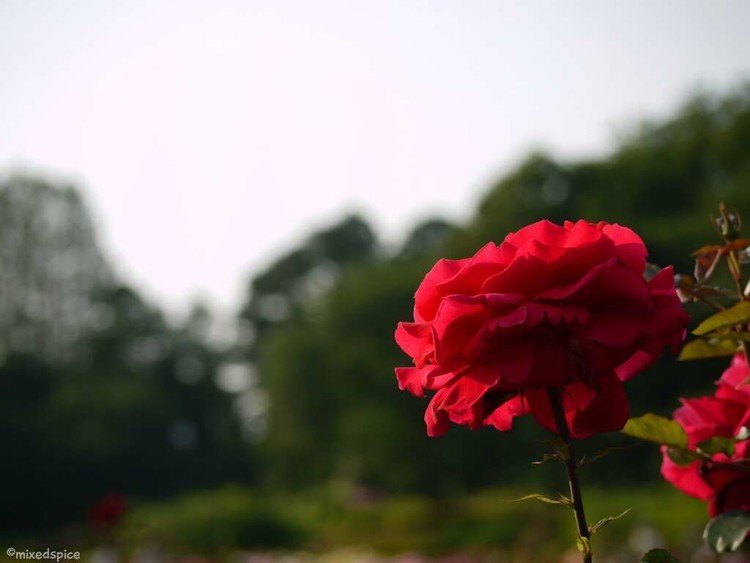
x,y
208,136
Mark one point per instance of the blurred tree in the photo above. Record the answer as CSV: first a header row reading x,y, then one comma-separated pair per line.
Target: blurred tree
x,y
50,264
100,394
426,239
663,181
303,274
277,297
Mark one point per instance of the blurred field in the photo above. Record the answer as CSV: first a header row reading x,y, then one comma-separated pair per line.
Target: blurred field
x,y
343,524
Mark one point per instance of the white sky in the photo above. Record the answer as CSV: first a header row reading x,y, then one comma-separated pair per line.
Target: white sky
x,y
210,135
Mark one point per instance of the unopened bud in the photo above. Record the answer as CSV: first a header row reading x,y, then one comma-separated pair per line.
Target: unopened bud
x,y
728,223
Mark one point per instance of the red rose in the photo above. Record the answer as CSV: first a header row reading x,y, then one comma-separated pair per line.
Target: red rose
x,y
552,306
723,485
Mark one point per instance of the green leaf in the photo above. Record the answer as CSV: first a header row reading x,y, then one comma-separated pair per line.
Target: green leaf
x,y
727,531
717,445
659,556
604,521
561,499
657,429
699,349
736,315
682,457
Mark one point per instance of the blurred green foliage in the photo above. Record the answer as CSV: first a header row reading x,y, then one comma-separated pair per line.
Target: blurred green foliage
x,y
212,523
489,521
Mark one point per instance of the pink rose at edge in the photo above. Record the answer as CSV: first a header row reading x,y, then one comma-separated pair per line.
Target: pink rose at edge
x,y
724,414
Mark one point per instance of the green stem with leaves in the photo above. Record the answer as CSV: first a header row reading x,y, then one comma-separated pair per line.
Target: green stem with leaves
x,y
571,465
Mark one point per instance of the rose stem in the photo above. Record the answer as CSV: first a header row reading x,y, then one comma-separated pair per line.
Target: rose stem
x,y
571,465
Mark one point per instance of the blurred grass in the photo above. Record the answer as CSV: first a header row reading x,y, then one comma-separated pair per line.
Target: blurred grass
x,y
217,523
